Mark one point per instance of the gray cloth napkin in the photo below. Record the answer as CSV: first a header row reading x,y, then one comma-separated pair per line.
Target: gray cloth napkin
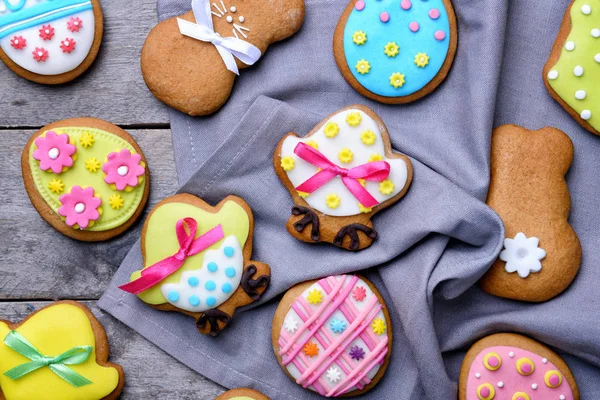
x,y
434,244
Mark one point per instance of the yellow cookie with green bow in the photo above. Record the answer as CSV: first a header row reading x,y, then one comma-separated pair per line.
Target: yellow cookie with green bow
x,y
197,260
86,177
59,352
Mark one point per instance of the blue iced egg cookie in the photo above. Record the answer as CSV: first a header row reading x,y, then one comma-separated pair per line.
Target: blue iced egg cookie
x,y
396,51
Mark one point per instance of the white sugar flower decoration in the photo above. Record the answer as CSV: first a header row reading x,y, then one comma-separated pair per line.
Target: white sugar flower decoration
x,y
522,255
290,324
334,375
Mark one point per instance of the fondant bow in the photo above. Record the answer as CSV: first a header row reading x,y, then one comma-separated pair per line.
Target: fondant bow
x,y
188,246
375,171
58,364
228,47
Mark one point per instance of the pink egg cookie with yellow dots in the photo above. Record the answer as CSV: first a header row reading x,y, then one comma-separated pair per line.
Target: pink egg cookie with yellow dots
x,y
396,51
513,367
86,177
333,336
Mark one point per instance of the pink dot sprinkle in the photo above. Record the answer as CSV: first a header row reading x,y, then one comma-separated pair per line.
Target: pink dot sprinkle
x,y
434,13
384,16
485,391
406,4
493,361
554,380
440,35
359,5
520,398
526,368
414,26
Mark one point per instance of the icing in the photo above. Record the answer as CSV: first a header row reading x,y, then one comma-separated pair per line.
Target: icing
x,y
59,34
417,26
52,331
339,138
80,207
577,70
339,360
522,255
520,375
90,145
160,242
209,287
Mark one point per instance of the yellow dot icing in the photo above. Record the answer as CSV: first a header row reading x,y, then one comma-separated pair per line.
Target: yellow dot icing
x,y
288,163
313,144
397,80
359,38
354,118
363,67
486,360
490,388
368,137
331,130
346,155
52,331
549,375
333,200
387,187
523,361
523,395
375,157
391,49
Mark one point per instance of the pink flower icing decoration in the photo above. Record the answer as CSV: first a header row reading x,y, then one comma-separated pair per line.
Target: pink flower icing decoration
x,y
80,206
123,169
74,24
54,152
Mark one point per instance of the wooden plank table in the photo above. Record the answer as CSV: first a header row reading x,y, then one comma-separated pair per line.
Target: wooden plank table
x,y
33,267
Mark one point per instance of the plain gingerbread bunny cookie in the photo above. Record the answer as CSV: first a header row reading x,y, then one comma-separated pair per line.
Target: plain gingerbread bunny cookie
x,y
191,75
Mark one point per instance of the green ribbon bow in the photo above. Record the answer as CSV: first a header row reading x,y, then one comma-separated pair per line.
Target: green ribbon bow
x,y
58,364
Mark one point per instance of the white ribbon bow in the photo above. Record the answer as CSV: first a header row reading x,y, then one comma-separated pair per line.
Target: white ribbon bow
x,y
228,47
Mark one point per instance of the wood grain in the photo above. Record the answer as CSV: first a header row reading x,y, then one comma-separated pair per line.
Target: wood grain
x,y
112,89
150,373
37,262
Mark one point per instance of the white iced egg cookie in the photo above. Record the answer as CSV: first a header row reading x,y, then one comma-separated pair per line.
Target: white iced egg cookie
x,y
340,174
49,41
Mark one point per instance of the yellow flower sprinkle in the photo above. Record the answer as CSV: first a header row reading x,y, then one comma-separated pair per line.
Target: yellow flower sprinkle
x,y
345,155
397,80
92,165
332,200
116,202
354,118
87,139
363,67
313,144
378,326
315,296
391,49
421,60
359,37
331,129
56,186
364,209
288,163
386,187
375,157
303,194
368,137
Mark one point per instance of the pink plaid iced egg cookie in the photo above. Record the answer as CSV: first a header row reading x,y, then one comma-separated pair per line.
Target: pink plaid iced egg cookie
x,y
513,367
333,336
50,41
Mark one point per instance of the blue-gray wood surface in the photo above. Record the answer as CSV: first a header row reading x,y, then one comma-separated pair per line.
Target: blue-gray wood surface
x,y
33,267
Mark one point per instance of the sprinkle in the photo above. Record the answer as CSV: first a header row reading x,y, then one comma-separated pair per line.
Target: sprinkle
x,y
545,360
578,70
586,114
500,384
586,9
580,94
595,32
440,35
511,354
570,46
478,375
552,75
434,13
534,386
414,26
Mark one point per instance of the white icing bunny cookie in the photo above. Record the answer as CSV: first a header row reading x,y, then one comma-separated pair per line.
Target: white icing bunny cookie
x,y
50,41
340,175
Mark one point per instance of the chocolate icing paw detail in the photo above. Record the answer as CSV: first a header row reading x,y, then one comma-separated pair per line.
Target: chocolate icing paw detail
x,y
213,317
352,232
310,218
251,286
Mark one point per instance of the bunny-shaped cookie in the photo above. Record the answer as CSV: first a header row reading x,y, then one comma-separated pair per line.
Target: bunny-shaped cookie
x,y
190,62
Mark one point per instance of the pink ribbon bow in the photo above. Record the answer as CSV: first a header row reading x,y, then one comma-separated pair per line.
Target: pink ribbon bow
x,y
188,246
374,171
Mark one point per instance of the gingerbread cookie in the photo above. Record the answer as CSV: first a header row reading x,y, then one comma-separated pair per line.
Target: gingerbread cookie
x,y
507,366
542,253
197,260
340,175
572,72
86,177
396,51
333,336
50,41
242,394
59,352
190,62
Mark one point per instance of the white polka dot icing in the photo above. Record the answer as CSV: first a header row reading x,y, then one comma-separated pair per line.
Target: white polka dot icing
x,y
348,137
211,285
570,46
580,94
578,70
57,61
586,9
553,74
